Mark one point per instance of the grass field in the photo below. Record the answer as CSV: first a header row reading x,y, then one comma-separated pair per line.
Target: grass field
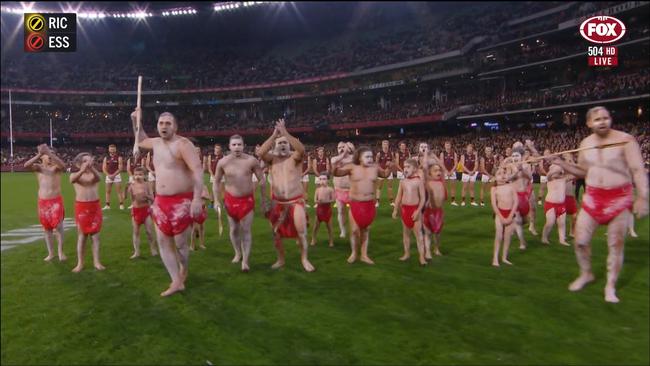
x,y
457,310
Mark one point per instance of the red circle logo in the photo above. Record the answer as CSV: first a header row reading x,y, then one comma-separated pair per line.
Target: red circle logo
x,y
35,42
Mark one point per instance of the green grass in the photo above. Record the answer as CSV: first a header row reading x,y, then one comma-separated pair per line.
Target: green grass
x,y
457,310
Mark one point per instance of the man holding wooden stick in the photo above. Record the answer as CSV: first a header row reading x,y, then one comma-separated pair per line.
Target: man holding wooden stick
x,y
609,196
179,186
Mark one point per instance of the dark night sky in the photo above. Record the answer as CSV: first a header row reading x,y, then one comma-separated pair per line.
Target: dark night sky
x,y
263,24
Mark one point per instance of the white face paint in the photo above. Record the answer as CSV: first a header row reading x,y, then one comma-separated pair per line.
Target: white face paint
x,y
366,158
282,147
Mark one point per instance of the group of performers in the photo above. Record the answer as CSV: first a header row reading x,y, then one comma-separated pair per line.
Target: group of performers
x,y
609,161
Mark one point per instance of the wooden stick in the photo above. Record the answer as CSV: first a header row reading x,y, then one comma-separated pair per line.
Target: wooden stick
x,y
136,149
603,146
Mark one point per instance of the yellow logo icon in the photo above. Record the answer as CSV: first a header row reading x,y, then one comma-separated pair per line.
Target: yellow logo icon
x,y
35,23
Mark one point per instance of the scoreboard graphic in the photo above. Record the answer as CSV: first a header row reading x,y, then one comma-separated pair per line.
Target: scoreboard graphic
x,y
50,32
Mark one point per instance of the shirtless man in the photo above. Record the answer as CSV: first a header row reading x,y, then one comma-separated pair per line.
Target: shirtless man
x,y
179,184
287,214
383,157
520,175
213,159
450,161
543,167
87,211
342,184
469,161
410,200
237,170
554,204
504,205
142,197
487,166
50,202
609,196
112,166
363,174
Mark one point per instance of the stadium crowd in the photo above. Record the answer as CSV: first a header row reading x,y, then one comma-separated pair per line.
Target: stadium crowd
x,y
556,137
191,67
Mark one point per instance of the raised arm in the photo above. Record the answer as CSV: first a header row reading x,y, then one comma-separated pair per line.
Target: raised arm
x,y
32,163
91,168
141,137
55,159
298,147
74,177
264,152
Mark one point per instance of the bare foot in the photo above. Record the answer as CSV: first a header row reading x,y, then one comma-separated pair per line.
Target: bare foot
x,y
352,258
367,260
236,258
313,243
49,258
565,244
495,263
202,246
342,236
572,235
78,268
506,261
99,267
545,241
135,255
154,254
580,282
244,267
532,230
62,257
610,295
522,246
173,288
423,261
331,244
307,266
192,248
427,254
634,235
278,264
437,253
405,257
